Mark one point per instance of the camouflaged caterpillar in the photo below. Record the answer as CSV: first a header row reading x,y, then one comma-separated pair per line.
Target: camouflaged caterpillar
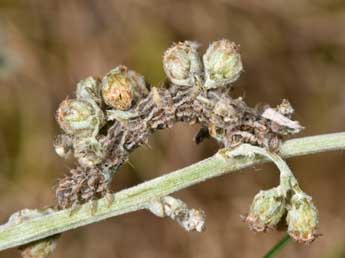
x,y
111,117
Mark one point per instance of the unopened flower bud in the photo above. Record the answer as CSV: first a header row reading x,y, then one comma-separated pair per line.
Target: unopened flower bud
x,y
63,146
88,151
266,210
89,89
182,63
79,118
222,62
302,218
122,87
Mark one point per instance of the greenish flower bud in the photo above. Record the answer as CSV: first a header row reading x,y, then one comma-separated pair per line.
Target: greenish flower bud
x,y
222,62
79,118
89,89
302,218
182,63
121,88
266,210
88,151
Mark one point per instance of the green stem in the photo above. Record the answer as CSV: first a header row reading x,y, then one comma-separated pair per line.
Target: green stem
x,y
137,197
278,247
287,179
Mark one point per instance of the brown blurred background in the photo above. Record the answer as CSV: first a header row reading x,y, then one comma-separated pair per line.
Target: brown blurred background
x,y
291,49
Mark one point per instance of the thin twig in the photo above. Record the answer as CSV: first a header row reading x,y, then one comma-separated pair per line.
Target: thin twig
x,y
137,197
278,247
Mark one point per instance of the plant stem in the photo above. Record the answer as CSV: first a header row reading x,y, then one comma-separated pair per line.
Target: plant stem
x,y
278,246
287,179
137,197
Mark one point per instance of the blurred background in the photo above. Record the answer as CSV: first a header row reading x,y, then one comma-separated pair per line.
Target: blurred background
x,y
290,49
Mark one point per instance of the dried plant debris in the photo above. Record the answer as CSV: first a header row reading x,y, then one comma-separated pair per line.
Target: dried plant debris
x,y
177,210
109,118
39,249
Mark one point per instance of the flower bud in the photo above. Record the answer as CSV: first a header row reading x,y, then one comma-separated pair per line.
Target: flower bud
x,y
63,146
88,151
222,63
182,63
89,89
266,210
79,118
302,218
122,87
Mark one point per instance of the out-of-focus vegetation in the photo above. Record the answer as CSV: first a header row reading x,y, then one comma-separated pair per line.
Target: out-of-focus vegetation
x,y
291,49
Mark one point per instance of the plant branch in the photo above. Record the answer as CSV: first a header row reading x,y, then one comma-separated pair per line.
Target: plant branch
x,y
137,197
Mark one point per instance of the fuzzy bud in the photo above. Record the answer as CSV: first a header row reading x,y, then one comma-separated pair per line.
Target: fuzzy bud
x,y
302,218
266,210
122,87
79,118
89,89
63,146
222,62
88,151
182,63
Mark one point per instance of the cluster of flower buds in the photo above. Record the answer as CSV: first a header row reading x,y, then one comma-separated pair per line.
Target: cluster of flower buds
x,y
220,66
82,118
270,206
196,91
